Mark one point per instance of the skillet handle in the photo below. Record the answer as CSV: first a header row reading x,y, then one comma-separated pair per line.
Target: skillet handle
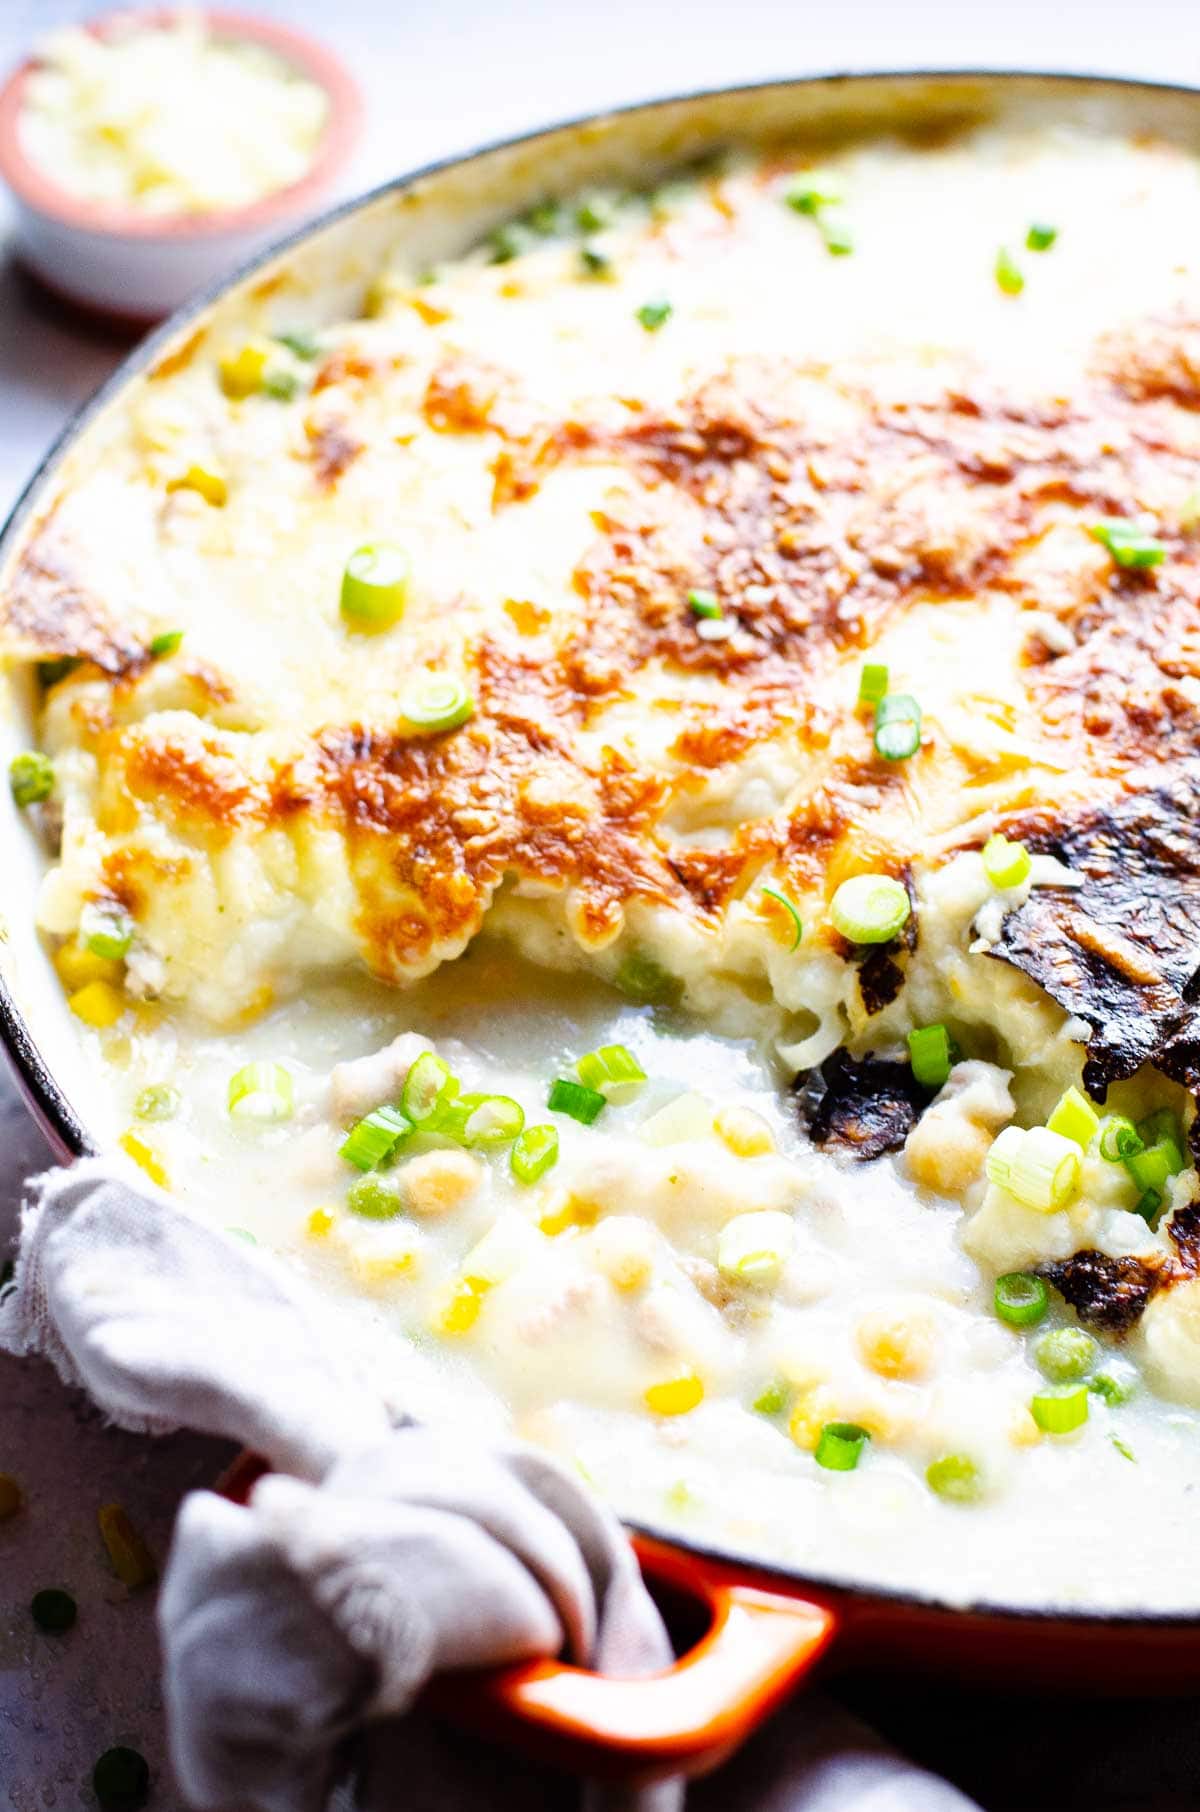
x,y
685,1720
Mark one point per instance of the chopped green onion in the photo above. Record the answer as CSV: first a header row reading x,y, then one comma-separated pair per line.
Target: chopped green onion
x,y
1065,1355
1020,1299
870,909
375,1137
931,1055
840,1445
301,342
1039,1167
158,1102
1119,1139
572,1098
1061,1411
30,777
534,1153
773,893
1008,274
1152,1169
594,264
375,585
261,1091
280,383
773,1399
1040,238
753,1248
873,683
647,982
507,242
439,702
1189,513
491,1121
1163,1123
812,192
1150,1204
121,1780
705,604
1115,1388
956,1478
1127,543
105,930
166,643
1125,1452
547,218
613,1072
897,726
371,1198
242,1233
1006,864
595,212
654,315
428,1086
837,237
1075,1118
53,1611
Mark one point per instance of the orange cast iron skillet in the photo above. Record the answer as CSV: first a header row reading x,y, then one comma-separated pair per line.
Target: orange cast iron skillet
x,y
767,1630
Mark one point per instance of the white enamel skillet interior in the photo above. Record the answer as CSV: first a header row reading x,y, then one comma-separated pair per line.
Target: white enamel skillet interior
x,y
434,214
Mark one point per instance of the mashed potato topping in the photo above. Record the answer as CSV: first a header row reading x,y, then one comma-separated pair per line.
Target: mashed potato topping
x,y
468,713
168,118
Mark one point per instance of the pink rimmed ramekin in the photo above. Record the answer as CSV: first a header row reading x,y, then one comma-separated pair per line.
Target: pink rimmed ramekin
x,y
135,268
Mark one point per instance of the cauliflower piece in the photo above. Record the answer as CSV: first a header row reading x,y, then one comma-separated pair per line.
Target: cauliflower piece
x,y
438,1181
364,1082
1170,1337
946,1148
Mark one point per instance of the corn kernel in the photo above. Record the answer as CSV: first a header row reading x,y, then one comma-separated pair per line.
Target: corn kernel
x,y
460,1310
133,1563
209,483
567,1210
145,1157
319,1223
808,1418
1023,1431
374,1269
242,372
746,1133
897,1345
98,1004
77,967
675,1396
12,1498
118,1050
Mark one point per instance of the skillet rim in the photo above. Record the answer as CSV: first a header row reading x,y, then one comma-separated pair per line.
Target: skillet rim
x,y
34,1075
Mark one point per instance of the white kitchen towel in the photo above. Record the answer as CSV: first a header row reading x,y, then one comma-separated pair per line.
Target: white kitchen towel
x,y
376,1555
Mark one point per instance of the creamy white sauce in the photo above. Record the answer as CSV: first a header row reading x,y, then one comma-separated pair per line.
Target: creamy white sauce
x,y
600,1281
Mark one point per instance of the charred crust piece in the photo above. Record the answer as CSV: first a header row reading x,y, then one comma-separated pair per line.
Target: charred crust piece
x,y
1122,952
864,1106
1184,1231
1108,1293
879,981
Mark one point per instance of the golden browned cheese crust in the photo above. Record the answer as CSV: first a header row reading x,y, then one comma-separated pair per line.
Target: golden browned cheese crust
x,y
825,507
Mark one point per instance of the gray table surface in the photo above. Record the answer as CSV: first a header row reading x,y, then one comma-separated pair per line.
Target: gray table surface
x,y
437,79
